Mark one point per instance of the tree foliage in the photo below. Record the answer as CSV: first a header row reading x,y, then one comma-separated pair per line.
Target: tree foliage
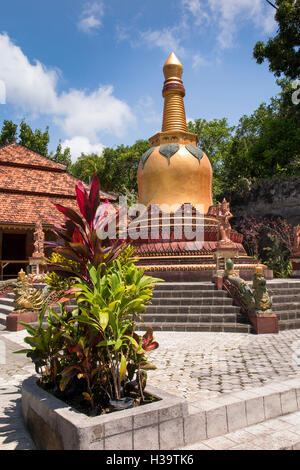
x,y
35,140
214,138
115,167
87,165
282,51
266,143
62,156
8,132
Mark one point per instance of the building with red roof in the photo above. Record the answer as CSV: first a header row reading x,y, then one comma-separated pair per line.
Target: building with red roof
x,y
29,183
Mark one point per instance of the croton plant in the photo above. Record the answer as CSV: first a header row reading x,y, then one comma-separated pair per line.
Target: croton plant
x,y
77,238
93,356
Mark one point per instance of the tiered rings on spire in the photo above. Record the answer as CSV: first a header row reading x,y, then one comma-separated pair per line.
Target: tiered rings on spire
x,y
173,92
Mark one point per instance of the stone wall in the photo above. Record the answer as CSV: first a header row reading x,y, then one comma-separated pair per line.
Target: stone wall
x,y
275,197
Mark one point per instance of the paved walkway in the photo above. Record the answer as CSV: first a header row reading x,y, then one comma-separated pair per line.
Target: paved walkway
x,y
192,365
204,365
16,368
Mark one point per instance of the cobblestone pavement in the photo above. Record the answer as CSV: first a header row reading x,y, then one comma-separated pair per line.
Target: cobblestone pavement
x,y
13,370
204,365
192,365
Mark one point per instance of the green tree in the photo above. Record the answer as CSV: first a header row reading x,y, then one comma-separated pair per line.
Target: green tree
x,y
120,166
282,51
86,166
266,143
35,140
215,138
62,156
8,132
115,167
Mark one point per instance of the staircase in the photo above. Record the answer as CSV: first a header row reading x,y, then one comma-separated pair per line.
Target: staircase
x,y
6,306
193,306
286,302
199,306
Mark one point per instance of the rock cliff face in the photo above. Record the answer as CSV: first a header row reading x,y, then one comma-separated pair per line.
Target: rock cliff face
x,y
269,197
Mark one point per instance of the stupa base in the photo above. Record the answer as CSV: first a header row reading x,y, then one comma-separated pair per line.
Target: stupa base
x,y
198,273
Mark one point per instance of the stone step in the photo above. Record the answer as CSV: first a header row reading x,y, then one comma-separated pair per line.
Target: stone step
x,y
279,298
6,309
190,293
11,295
207,327
245,417
186,286
3,318
291,324
284,292
192,301
188,309
282,433
283,283
278,307
288,314
191,318
6,301
70,307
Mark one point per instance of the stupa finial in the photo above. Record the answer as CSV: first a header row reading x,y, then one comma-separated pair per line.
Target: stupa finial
x,y
173,67
173,92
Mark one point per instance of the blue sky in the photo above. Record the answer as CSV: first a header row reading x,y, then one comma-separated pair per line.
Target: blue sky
x,y
92,70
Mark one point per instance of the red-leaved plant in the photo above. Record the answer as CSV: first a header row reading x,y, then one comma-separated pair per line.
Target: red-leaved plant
x,y
77,236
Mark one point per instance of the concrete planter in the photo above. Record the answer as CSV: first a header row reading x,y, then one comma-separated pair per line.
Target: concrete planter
x,y
55,425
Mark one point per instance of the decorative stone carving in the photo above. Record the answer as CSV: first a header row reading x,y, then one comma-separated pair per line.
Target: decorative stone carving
x,y
238,288
195,151
253,301
168,150
223,217
27,298
296,246
263,302
146,155
39,239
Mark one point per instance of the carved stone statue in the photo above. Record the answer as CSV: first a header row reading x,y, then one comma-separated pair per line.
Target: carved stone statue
x,y
241,287
255,300
223,217
27,299
296,245
39,239
263,302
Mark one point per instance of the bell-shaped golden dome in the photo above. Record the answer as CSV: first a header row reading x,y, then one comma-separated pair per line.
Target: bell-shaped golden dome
x,y
174,171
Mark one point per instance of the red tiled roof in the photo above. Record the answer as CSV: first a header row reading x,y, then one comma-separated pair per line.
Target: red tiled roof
x,y
36,181
28,184
17,154
19,209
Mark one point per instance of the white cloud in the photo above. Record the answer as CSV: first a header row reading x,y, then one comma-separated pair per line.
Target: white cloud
x,y
81,144
146,110
199,61
91,17
166,39
78,112
88,24
32,88
228,15
196,8
29,86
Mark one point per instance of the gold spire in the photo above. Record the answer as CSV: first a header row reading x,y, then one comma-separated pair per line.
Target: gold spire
x,y
173,93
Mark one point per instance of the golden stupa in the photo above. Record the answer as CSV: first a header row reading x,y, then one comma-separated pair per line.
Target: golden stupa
x,y
174,170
